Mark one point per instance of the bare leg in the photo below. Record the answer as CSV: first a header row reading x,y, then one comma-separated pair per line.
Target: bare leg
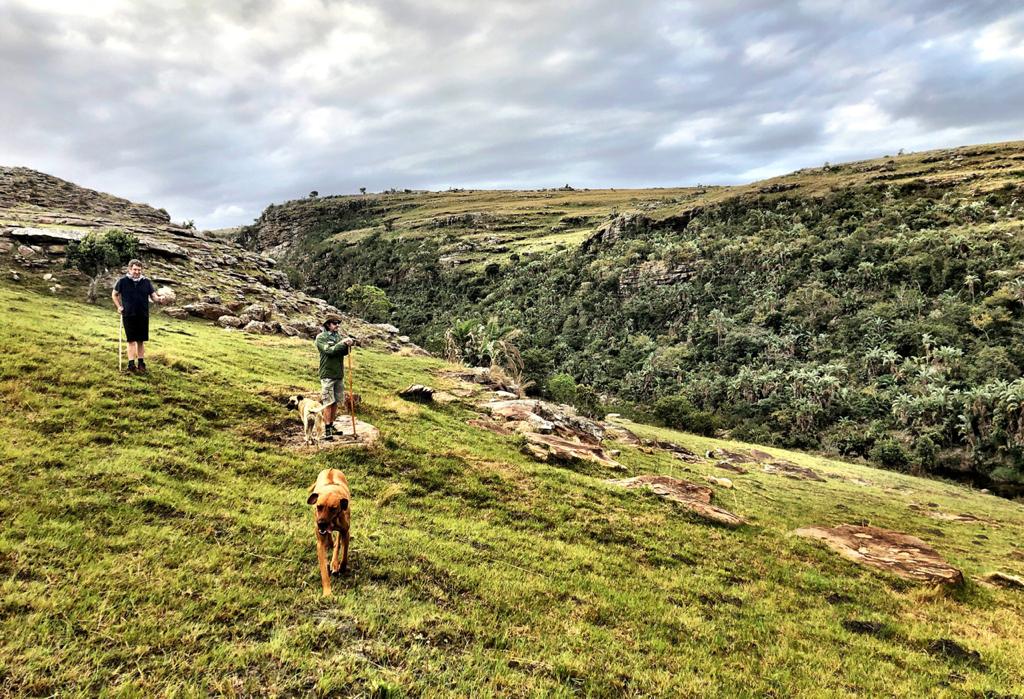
x,y
133,351
321,555
142,350
329,413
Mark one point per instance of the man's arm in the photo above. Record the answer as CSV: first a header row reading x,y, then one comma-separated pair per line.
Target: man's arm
x,y
116,297
337,349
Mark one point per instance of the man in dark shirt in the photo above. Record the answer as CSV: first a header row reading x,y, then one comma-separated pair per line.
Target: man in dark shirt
x,y
332,347
132,294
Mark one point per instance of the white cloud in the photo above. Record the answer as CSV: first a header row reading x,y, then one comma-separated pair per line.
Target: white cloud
x,y
1001,41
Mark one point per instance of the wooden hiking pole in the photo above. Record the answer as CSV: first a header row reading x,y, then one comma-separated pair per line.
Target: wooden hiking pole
x,y
351,395
120,334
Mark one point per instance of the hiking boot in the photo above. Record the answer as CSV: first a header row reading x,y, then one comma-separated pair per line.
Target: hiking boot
x,y
328,433
132,368
142,366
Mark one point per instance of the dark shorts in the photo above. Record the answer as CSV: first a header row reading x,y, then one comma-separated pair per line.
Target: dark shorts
x,y
136,328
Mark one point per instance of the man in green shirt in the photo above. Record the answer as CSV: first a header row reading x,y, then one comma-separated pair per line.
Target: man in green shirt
x,y
332,348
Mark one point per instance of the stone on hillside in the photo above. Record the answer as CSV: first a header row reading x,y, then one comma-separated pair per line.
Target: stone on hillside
x,y
404,339
26,251
621,434
56,249
6,245
229,322
48,276
693,497
210,311
418,392
901,554
259,328
210,298
549,447
505,395
14,275
1000,579
257,311
176,312
791,470
721,482
678,451
166,294
289,330
387,327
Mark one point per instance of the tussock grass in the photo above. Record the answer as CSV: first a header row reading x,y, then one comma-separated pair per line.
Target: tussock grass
x,y
154,546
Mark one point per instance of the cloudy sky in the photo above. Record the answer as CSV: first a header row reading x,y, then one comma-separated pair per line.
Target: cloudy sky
x,y
213,110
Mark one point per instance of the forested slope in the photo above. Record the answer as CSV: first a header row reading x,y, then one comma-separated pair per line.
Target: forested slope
x,y
869,309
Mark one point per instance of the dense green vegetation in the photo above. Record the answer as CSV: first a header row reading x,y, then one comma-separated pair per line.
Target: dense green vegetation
x,y
156,542
869,310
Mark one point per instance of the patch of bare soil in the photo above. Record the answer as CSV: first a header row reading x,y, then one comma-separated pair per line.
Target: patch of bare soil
x,y
901,554
695,498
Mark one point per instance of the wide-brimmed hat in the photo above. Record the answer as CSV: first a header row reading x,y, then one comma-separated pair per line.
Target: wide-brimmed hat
x,y
332,319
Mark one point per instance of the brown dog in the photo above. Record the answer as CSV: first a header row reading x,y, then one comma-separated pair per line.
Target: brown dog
x,y
329,497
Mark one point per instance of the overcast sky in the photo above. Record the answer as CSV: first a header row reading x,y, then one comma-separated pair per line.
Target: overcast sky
x,y
215,113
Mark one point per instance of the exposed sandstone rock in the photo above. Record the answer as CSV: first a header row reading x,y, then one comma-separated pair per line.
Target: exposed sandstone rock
x,y
257,311
895,552
229,322
259,328
210,311
695,498
176,312
418,392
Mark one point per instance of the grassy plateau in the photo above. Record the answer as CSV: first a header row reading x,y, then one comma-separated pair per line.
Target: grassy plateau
x,y
156,542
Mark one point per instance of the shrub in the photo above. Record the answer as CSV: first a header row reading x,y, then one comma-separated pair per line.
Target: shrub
x,y
368,302
673,411
96,253
561,388
890,453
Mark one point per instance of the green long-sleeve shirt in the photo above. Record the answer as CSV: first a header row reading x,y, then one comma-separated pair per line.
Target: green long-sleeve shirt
x,y
332,349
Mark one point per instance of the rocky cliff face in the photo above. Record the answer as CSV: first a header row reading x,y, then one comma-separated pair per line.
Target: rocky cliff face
x,y
213,278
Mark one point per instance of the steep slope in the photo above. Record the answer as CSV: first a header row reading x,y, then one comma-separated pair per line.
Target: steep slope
x,y
869,309
157,542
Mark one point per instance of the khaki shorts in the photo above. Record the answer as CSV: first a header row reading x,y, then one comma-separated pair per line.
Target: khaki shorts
x,y
332,391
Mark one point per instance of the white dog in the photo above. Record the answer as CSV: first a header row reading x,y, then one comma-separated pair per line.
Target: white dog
x,y
311,416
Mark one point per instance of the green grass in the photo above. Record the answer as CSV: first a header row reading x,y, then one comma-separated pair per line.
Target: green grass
x,y
156,542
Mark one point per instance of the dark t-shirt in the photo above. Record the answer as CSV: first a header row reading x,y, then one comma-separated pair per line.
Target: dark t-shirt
x,y
134,295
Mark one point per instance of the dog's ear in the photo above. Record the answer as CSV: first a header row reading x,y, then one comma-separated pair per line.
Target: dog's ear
x,y
313,497
344,504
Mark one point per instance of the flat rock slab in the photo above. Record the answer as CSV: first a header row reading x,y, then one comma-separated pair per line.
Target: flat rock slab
x,y
1000,579
901,554
549,447
365,435
791,470
621,434
930,511
695,498
677,450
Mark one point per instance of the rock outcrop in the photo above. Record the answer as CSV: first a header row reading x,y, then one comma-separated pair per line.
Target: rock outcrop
x,y
200,275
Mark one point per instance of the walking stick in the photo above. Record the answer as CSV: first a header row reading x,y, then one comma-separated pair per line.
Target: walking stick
x,y
120,334
351,395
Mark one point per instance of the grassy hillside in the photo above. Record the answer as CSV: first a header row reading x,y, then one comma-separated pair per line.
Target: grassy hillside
x,y
871,310
156,542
